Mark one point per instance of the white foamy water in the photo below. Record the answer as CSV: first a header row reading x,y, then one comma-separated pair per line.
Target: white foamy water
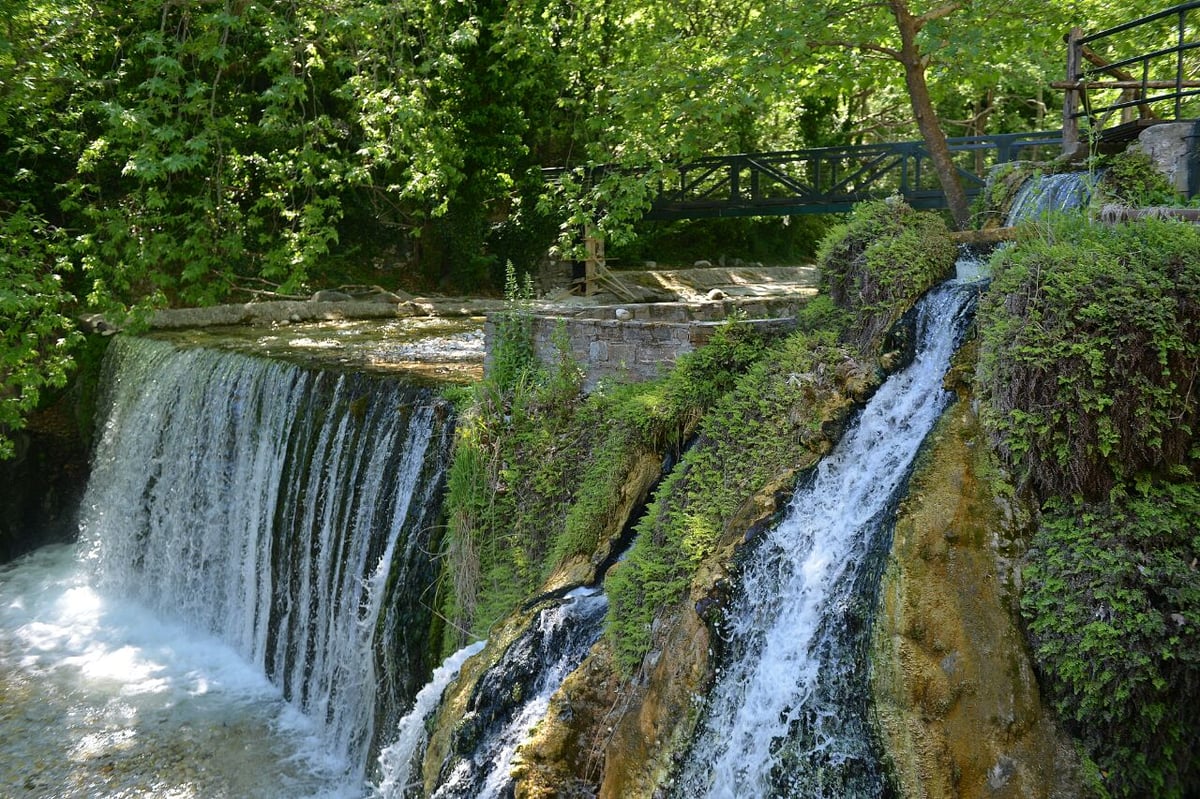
x,y
766,724
100,698
1043,194
547,652
396,761
228,625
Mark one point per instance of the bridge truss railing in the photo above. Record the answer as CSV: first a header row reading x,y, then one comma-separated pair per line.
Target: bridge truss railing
x,y
832,179
1138,72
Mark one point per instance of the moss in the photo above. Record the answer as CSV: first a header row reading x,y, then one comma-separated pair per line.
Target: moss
x,y
1089,353
877,264
1090,340
1003,184
540,470
1113,608
770,424
1132,178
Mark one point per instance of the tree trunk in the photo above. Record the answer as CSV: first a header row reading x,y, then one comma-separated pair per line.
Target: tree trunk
x,y
927,120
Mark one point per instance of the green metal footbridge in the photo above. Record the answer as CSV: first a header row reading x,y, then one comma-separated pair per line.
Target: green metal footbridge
x,y
1118,81
832,179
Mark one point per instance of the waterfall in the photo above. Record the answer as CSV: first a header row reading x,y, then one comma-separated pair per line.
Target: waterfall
x,y
284,511
1043,194
786,716
397,760
514,695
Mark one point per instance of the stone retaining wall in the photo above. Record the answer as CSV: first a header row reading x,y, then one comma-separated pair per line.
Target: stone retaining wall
x,y
645,345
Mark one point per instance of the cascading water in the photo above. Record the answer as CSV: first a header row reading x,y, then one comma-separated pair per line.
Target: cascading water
x,y
1043,194
786,716
399,760
514,695
277,514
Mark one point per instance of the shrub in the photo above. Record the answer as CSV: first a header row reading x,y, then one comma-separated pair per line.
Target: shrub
x,y
1090,351
1112,600
1132,178
767,427
878,263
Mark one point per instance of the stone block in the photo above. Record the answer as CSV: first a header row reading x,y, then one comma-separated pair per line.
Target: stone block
x,y
1168,145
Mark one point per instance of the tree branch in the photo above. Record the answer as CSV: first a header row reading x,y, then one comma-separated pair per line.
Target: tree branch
x,y
939,12
870,48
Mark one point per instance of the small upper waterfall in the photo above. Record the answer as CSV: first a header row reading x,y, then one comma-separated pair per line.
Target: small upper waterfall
x,y
1043,194
286,512
398,762
786,716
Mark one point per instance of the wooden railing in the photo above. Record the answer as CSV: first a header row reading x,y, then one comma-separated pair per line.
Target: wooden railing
x,y
1145,69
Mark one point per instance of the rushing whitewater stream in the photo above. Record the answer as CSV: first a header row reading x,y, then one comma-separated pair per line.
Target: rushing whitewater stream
x,y
242,612
514,695
786,717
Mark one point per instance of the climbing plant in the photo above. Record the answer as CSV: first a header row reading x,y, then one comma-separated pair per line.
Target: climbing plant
x,y
1112,601
880,261
37,336
1089,345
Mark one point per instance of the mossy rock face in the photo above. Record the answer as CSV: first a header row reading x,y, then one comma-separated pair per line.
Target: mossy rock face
x,y
610,735
1087,336
452,709
958,704
878,263
781,418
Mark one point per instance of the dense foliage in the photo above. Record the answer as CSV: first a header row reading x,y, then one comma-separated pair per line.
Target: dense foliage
x,y
36,339
1112,598
1132,178
877,263
1090,347
1089,351
776,421
190,153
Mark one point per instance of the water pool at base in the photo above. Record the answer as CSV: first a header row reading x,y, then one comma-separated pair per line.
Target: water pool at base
x,y
100,699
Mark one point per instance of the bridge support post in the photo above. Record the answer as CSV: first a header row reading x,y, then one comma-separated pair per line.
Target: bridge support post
x,y
587,272
1071,96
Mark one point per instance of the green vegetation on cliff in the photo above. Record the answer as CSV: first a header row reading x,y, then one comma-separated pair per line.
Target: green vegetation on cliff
x,y
540,468
880,260
37,336
1089,353
1112,600
761,433
781,417
1090,350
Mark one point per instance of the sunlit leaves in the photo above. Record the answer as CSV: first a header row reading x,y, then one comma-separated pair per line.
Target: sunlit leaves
x,y
37,337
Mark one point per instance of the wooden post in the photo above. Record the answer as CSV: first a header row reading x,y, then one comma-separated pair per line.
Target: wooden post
x,y
593,242
1071,95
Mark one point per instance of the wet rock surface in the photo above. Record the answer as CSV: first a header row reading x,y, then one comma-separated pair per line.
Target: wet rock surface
x,y
958,703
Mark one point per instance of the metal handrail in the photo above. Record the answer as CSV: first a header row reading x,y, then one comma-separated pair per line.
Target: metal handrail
x,y
1085,79
1124,26
818,180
